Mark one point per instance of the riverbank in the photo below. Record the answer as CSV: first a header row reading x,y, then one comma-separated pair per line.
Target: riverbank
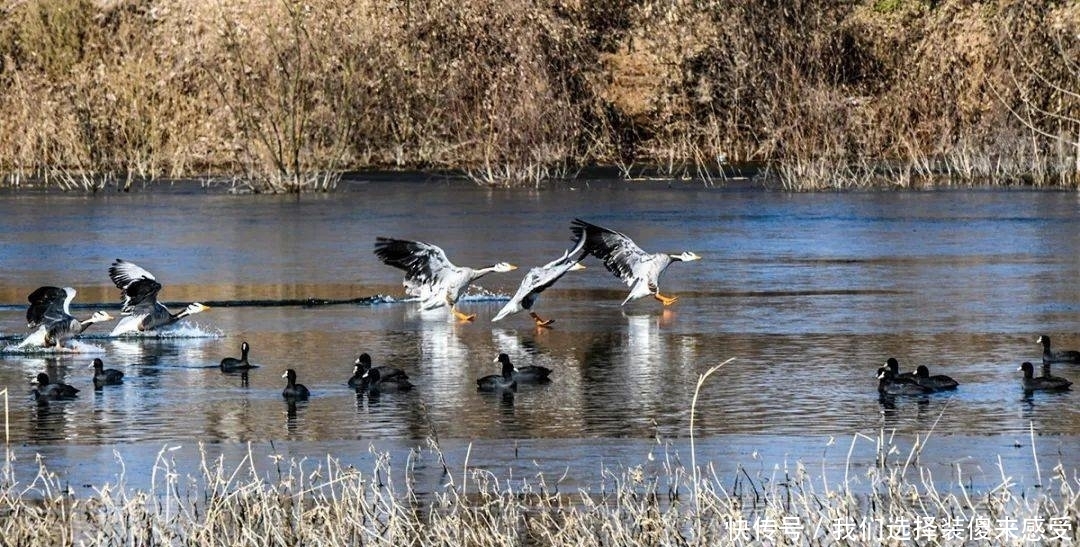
x,y
283,96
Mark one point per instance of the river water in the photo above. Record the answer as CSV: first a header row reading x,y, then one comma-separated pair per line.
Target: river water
x,y
807,294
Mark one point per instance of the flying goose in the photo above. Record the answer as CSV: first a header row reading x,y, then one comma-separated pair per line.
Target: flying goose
x,y
540,278
622,257
139,289
429,275
49,312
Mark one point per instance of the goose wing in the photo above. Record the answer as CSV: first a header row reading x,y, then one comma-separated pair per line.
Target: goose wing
x,y
48,305
620,254
424,264
138,287
540,278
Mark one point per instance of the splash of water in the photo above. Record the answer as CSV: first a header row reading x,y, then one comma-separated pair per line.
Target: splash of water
x,y
28,346
184,329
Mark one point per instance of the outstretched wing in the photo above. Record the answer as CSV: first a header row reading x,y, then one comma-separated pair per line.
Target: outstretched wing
x,y
424,263
137,286
540,278
48,305
620,254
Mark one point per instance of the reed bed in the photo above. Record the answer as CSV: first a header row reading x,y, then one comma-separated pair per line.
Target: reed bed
x,y
286,95
892,501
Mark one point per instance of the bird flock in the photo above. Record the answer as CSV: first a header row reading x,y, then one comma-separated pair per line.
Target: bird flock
x,y
437,283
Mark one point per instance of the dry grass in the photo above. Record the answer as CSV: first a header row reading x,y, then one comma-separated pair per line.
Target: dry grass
x,y
285,95
326,503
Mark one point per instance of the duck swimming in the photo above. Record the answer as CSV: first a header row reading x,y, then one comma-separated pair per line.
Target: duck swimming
x,y
292,389
1061,356
937,382
1041,383
363,364
105,376
373,383
532,374
53,391
888,384
894,366
499,382
232,364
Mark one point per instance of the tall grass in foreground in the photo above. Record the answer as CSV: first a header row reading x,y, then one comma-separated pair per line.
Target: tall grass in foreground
x,y
326,503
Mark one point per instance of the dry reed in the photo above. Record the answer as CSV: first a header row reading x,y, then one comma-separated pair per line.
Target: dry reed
x,y
325,503
286,95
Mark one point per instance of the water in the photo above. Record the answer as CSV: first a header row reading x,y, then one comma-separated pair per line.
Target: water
x,y
809,293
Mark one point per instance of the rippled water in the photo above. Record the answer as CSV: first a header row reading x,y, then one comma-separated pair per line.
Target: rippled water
x,y
809,293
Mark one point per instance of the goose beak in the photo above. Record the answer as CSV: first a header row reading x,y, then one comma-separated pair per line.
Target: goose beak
x,y
285,374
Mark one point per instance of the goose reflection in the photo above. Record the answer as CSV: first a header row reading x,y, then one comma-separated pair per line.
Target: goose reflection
x,y
645,351
447,357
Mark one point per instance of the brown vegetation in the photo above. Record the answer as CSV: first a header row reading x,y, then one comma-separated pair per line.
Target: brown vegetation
x,y
285,95
892,501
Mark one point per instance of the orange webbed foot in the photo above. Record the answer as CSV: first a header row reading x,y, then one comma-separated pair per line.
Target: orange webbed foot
x,y
666,300
540,321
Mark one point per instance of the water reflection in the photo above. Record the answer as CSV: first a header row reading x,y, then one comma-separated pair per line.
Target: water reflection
x,y
809,294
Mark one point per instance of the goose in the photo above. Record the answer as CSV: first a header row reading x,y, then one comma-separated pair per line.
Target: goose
x,y
105,376
888,384
139,289
49,312
1041,383
532,374
622,257
1062,356
292,389
232,364
429,275
374,383
540,278
499,382
363,364
894,366
53,391
937,382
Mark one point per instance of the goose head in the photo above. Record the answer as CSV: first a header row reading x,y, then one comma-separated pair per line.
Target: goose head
x,y
98,317
686,256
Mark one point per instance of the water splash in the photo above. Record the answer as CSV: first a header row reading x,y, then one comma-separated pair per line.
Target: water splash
x,y
30,347
186,329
